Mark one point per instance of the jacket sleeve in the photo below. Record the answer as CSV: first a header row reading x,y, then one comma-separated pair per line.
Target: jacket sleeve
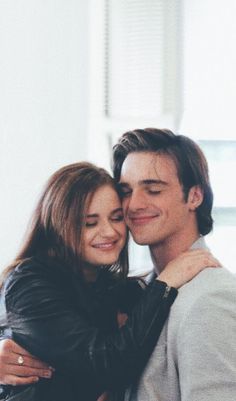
x,y
46,324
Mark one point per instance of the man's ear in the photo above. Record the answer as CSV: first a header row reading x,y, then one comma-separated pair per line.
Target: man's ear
x,y
195,197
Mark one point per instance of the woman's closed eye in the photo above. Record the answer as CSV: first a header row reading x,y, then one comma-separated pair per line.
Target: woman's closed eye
x,y
90,223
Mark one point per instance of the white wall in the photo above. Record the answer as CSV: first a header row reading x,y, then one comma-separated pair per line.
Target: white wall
x,y
43,103
209,68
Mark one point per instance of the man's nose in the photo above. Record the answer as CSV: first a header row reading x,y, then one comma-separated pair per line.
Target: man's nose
x,y
136,201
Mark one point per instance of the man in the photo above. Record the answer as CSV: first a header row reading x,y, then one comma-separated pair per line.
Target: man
x,y
167,201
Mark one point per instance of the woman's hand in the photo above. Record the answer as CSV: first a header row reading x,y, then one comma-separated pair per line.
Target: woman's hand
x,y
121,319
104,397
18,367
186,266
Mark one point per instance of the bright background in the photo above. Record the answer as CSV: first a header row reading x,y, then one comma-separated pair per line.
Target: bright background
x,y
76,74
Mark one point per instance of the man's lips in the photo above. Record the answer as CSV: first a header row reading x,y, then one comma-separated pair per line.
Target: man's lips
x,y
139,220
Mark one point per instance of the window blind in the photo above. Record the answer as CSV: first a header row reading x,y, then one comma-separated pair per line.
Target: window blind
x,y
142,58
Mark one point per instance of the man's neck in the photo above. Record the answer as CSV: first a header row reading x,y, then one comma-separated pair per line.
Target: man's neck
x,y
163,252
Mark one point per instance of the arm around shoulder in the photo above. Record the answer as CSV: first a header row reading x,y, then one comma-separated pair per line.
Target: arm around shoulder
x,y
46,324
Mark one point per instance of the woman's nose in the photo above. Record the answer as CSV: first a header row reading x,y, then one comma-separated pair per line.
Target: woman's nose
x,y
107,230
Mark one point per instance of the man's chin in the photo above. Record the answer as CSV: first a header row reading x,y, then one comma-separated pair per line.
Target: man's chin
x,y
140,241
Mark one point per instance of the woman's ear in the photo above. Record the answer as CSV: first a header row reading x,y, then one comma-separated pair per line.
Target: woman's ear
x,y
195,197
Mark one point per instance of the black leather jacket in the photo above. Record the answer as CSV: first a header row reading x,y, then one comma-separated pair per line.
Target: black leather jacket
x,y
72,326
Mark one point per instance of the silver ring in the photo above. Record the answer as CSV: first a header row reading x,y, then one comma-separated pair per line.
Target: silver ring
x,y
20,360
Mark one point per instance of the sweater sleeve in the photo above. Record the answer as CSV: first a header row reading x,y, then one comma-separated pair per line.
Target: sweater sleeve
x,y
46,324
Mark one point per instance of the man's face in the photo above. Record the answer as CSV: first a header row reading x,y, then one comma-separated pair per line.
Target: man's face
x,y
153,200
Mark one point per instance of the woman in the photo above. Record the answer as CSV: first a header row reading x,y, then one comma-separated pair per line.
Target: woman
x,y
66,287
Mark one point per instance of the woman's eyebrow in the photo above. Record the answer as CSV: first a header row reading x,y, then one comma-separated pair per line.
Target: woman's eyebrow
x,y
94,215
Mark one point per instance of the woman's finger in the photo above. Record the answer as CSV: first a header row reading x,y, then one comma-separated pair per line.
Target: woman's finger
x,y
28,361
25,371
19,381
10,353
9,346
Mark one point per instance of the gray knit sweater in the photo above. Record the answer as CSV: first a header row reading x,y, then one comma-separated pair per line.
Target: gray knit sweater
x,y
195,358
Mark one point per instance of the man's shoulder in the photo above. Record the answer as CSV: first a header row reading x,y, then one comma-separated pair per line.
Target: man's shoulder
x,y
209,280
212,286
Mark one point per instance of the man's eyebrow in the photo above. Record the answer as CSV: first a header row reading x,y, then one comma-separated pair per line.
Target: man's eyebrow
x,y
144,182
153,181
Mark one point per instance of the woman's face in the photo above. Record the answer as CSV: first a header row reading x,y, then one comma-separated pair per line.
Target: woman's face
x,y
104,233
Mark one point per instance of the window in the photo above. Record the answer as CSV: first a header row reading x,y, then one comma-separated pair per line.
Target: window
x,y
136,64
159,63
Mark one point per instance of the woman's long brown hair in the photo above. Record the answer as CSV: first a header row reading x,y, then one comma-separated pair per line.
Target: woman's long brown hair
x,y
57,222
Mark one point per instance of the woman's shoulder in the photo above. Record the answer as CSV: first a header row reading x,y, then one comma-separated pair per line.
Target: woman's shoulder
x,y
32,273
33,266
36,284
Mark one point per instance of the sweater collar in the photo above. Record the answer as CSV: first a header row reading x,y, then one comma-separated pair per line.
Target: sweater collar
x,y
200,243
